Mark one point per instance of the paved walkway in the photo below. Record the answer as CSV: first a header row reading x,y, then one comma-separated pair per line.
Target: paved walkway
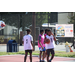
x,y
20,58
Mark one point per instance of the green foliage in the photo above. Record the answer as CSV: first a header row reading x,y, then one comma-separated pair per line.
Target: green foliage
x,y
23,19
1,38
72,20
41,17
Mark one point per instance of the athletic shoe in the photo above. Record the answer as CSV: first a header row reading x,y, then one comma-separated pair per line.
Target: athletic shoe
x,y
40,61
45,60
49,61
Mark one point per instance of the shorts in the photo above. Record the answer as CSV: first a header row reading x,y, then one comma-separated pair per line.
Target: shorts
x,y
50,51
30,51
42,49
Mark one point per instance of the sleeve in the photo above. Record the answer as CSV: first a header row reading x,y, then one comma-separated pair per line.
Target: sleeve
x,y
31,38
39,37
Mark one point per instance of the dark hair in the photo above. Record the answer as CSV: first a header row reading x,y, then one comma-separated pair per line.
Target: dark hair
x,y
41,31
28,30
49,30
46,30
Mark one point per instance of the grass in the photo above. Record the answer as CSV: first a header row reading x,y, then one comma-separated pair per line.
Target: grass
x,y
64,54
57,53
20,52
11,53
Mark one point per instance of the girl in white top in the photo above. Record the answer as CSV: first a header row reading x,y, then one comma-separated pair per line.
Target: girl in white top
x,y
28,45
27,42
50,46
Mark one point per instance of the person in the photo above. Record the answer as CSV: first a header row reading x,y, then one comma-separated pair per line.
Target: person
x,y
50,46
46,33
41,45
28,45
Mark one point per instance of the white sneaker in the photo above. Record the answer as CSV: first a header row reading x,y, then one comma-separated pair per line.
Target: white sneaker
x,y
45,60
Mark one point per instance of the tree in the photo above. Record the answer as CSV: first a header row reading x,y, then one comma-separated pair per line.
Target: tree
x,y
41,17
23,18
72,20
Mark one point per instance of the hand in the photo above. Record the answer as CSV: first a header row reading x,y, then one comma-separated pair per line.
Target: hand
x,y
42,47
32,49
44,41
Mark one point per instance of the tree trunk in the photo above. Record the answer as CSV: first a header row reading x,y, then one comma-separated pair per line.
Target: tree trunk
x,y
33,28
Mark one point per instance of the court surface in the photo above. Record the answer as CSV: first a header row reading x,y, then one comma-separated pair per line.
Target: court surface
x,y
20,58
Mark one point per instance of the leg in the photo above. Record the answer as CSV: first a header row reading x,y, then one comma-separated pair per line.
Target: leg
x,y
45,52
48,53
40,55
52,53
26,53
43,55
52,56
30,55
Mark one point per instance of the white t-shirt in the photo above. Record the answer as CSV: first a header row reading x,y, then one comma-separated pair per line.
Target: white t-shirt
x,y
51,44
27,42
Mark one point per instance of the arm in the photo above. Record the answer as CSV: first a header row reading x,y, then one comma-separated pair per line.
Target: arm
x,y
32,42
40,42
54,37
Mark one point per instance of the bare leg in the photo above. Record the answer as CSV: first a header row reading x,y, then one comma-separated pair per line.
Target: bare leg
x,y
40,55
30,57
26,53
52,56
43,55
